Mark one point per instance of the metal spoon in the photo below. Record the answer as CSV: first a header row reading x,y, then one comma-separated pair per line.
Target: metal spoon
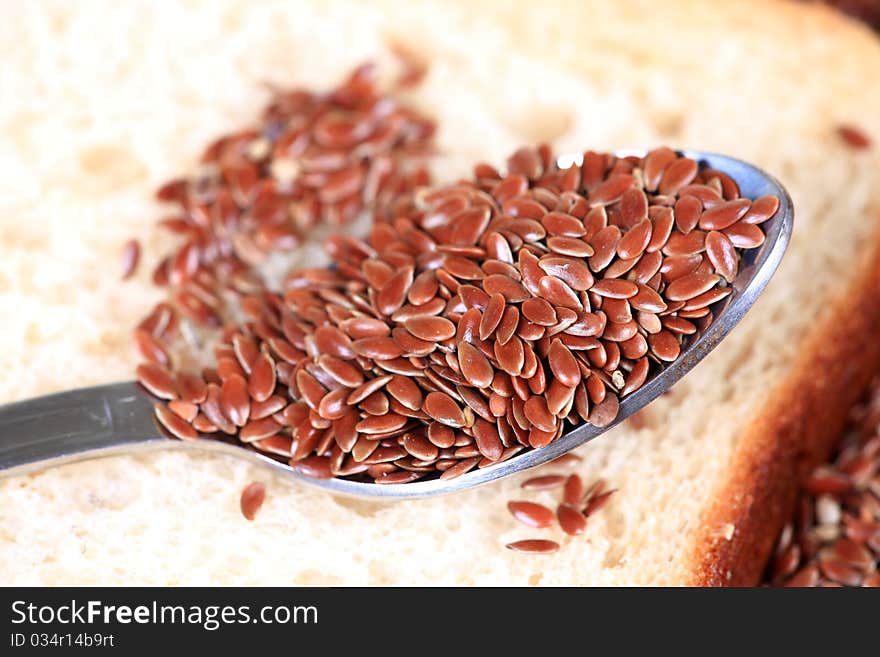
x,y
118,418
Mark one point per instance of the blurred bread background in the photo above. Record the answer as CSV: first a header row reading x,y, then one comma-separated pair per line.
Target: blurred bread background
x,y
104,101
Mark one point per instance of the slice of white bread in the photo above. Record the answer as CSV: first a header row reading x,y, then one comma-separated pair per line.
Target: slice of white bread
x,y
102,103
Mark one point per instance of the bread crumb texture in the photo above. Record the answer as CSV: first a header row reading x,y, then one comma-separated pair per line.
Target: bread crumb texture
x,y
102,102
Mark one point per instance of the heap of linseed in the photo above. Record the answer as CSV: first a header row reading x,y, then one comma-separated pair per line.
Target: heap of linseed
x,y
834,537
315,159
477,319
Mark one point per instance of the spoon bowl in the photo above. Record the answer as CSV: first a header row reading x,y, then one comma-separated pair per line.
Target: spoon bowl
x,y
118,418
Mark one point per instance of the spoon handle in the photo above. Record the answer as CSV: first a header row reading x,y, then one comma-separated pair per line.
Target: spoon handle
x,y
74,425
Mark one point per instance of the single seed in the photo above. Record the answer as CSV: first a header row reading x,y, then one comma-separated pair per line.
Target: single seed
x,y
510,356
534,546
636,240
559,293
252,498
697,306
722,254
234,401
762,209
572,271
561,224
330,340
544,482
611,189
677,175
745,236
724,215
572,521
400,477
380,424
393,293
150,348
431,329
405,391
487,439
261,383
246,352
853,136
344,372
441,435
183,409
259,429
563,364
660,231
178,427
570,246
539,311
316,467
474,365
365,327
664,345
156,379
531,514
537,413
574,490
419,447
597,501
377,348
647,300
333,405
615,288
441,407
604,412
690,286
511,290
460,468
604,245
633,206
131,254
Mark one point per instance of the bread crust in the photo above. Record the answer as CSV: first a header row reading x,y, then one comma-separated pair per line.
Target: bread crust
x,y
795,432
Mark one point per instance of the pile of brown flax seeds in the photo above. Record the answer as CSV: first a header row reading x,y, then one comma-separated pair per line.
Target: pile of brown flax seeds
x,y
478,319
